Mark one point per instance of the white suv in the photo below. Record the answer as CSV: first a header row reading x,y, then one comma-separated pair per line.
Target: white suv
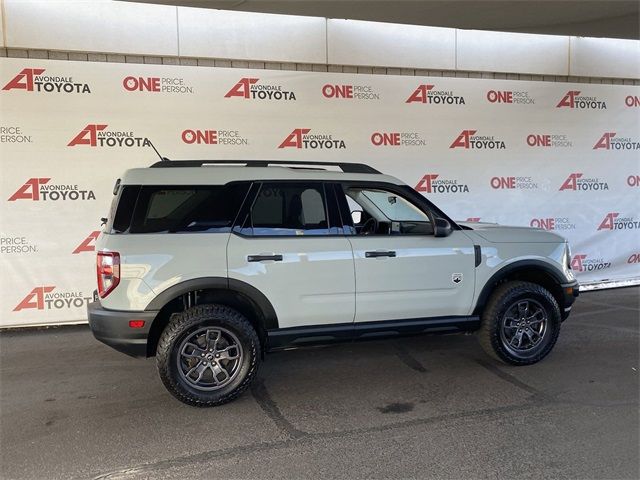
x,y
208,264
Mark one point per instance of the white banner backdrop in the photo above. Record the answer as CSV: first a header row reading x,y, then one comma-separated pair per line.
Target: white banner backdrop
x,y
559,156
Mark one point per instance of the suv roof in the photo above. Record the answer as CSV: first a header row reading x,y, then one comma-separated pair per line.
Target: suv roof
x,y
202,172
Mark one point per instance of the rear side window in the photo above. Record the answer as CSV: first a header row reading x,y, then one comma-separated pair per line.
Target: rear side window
x,y
178,209
289,209
122,208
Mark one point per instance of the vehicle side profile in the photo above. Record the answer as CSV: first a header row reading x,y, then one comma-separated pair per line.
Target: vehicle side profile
x,y
207,265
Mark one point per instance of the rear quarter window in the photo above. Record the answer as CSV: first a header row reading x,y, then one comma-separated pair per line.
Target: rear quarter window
x,y
180,209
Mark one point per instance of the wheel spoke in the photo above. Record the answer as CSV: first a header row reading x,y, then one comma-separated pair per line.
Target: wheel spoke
x,y
517,337
217,371
191,350
231,352
212,338
199,369
523,308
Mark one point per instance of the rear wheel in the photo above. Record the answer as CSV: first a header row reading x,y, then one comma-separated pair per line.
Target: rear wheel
x,y
208,355
520,324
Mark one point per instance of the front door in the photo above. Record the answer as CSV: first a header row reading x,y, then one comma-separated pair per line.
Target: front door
x,y
291,247
402,270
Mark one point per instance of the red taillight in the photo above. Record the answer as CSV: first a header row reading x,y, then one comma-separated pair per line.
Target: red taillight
x,y
108,268
136,323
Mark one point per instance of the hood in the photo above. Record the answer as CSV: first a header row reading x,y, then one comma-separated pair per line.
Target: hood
x,y
495,233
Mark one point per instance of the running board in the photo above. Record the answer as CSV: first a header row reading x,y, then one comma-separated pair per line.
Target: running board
x,y
344,332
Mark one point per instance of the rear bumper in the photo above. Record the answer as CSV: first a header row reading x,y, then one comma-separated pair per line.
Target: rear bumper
x,y
112,328
570,292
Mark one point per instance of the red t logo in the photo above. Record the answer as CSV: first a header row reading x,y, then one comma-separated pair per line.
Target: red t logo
x,y
242,88
87,243
24,80
424,185
569,99
571,183
30,190
295,138
420,94
605,141
35,299
463,139
608,222
91,131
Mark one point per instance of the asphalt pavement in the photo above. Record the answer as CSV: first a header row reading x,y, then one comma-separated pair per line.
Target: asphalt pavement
x,y
421,407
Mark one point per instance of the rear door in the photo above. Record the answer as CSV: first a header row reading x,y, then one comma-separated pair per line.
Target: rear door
x,y
402,270
289,244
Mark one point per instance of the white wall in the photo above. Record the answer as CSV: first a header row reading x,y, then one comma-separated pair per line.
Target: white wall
x,y
144,29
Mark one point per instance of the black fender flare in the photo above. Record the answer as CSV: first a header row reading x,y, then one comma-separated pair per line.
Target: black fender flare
x,y
505,271
221,283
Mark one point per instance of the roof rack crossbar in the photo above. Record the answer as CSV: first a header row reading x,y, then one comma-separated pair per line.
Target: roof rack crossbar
x,y
345,167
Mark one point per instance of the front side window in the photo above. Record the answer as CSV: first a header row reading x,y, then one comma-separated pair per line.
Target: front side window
x,y
377,211
289,209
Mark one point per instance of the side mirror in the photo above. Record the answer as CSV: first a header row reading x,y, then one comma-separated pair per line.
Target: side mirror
x,y
356,216
442,228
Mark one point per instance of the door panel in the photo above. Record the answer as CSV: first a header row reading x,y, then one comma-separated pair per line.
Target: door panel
x,y
313,284
415,282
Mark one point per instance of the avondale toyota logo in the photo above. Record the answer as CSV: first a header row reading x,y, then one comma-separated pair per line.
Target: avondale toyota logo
x,y
34,80
573,99
46,298
613,221
582,263
97,135
432,183
88,244
578,182
302,138
469,140
608,141
426,94
40,189
250,89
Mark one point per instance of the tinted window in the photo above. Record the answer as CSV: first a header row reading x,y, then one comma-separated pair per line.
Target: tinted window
x,y
122,209
289,209
174,209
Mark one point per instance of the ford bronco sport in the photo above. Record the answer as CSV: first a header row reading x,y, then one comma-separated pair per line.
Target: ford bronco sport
x,y
208,264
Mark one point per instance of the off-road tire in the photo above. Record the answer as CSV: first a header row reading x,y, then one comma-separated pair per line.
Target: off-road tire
x,y
500,301
179,327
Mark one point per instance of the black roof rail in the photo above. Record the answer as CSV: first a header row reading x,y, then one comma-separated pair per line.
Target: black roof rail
x,y
345,167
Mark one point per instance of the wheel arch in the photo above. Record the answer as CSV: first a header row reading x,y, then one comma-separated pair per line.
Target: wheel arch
x,y
236,294
534,271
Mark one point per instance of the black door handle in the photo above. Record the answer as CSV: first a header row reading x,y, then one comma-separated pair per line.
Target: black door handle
x,y
376,254
262,258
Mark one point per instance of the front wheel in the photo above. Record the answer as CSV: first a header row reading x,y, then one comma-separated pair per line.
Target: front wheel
x,y
208,355
520,324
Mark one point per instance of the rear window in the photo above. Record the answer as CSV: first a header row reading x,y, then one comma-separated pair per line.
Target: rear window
x,y
176,209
